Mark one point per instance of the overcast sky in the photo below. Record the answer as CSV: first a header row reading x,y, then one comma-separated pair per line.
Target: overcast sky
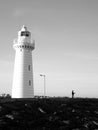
x,y
66,36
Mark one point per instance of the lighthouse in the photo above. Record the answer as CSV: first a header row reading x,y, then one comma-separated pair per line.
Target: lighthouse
x,y
23,86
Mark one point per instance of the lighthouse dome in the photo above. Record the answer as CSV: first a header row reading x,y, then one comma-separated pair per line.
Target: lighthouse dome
x,y
24,28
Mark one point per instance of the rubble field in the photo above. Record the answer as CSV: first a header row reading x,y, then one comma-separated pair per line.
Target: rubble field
x,y
49,114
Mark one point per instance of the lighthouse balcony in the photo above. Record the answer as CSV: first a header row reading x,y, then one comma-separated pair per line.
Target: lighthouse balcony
x,y
28,46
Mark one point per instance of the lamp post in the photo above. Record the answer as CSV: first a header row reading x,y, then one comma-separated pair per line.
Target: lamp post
x,y
44,76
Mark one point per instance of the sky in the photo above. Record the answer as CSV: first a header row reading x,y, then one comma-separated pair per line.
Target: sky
x,y
66,44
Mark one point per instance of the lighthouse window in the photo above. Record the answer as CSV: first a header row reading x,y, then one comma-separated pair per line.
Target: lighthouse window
x,y
29,82
25,33
29,67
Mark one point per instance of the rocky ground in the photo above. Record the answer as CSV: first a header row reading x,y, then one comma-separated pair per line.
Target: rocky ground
x,y
49,114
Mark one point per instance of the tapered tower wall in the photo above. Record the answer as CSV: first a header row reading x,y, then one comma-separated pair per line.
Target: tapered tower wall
x,y
23,86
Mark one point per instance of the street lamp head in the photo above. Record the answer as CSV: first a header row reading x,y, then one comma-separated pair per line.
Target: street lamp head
x,y
42,75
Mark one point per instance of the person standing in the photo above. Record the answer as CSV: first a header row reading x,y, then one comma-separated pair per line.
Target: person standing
x,y
73,92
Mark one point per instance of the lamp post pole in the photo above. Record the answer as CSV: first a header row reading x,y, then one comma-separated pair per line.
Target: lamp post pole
x,y
44,76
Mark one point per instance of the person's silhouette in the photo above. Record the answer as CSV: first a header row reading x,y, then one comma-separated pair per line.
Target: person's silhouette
x,y
73,93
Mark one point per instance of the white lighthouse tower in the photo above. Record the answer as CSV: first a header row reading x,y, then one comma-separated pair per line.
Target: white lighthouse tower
x,y
23,71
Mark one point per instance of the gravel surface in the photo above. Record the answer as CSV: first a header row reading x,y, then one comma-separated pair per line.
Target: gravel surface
x,y
49,114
